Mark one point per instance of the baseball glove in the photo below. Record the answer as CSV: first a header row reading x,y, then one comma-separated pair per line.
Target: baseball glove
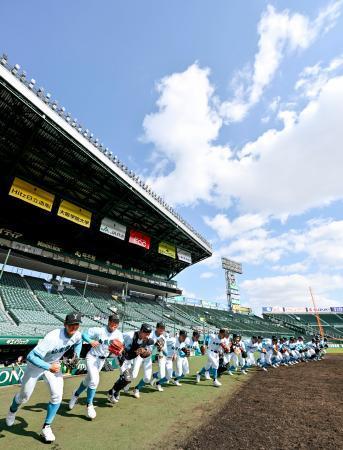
x,y
203,349
116,347
71,363
186,351
160,344
143,352
237,351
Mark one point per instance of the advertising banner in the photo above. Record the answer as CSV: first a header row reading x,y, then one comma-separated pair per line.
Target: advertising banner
x,y
113,228
337,309
184,256
312,310
241,309
295,309
75,214
32,194
138,238
272,309
167,249
13,375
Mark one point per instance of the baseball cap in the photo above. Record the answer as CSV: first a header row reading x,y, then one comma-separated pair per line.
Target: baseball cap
x,y
160,325
146,328
73,318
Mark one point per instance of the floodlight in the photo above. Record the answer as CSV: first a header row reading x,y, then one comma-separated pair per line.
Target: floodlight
x,y
4,59
32,83
23,77
15,69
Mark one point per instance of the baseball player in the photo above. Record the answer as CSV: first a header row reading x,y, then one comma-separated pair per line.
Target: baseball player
x,y
193,344
43,361
160,350
100,339
182,353
137,345
158,345
251,346
213,350
238,355
170,358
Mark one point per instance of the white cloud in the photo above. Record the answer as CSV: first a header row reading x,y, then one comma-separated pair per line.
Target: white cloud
x,y
282,172
225,228
291,290
313,78
298,267
279,33
207,275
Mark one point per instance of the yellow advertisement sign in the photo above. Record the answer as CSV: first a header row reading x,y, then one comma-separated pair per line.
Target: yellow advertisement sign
x,y
75,214
31,194
241,309
167,249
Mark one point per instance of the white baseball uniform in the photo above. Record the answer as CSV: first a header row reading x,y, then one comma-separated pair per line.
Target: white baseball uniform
x,y
49,350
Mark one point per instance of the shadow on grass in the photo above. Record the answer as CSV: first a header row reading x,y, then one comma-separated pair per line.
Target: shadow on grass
x,y
18,428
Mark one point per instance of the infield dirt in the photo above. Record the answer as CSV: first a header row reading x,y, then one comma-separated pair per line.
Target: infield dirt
x,y
298,407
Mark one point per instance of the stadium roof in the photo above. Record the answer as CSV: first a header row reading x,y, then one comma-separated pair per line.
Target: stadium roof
x,y
43,145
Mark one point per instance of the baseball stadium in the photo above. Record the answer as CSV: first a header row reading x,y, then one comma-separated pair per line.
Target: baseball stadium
x,y
90,252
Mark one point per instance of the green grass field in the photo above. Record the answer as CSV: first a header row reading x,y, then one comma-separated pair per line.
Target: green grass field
x,y
335,350
131,424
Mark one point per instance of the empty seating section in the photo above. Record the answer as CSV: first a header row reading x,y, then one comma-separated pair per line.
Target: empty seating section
x,y
81,304
33,311
27,316
14,298
54,303
332,323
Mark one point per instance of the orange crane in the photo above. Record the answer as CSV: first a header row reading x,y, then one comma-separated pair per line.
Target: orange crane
x,y
321,330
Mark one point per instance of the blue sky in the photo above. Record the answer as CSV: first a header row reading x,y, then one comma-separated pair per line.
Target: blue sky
x,y
231,110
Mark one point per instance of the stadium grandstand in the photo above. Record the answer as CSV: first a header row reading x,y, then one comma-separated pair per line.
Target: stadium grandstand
x,y
306,319
101,239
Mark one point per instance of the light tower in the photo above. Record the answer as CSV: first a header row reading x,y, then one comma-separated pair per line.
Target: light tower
x,y
232,291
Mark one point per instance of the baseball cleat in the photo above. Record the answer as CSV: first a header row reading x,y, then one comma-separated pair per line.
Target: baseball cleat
x,y
197,378
216,383
136,393
264,369
73,400
177,383
91,412
10,418
244,372
113,398
230,373
47,435
153,381
159,387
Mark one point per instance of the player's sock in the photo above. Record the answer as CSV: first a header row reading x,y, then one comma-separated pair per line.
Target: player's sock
x,y
179,377
162,381
202,371
14,406
80,389
155,375
90,396
140,385
231,368
214,373
51,412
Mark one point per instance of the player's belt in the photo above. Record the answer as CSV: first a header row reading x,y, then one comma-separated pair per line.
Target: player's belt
x,y
102,357
214,351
